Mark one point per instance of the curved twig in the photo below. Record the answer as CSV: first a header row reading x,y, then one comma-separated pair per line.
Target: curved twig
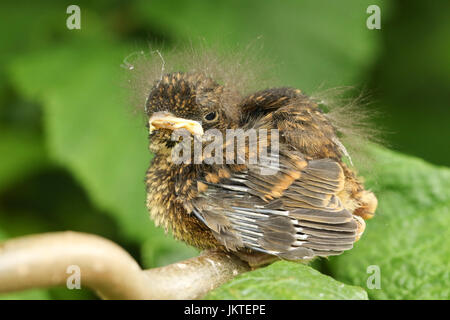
x,y
42,261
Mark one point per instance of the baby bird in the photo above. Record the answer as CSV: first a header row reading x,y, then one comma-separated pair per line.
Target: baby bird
x,y
302,202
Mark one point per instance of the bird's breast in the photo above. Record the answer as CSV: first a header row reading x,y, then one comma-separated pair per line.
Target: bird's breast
x,y
168,187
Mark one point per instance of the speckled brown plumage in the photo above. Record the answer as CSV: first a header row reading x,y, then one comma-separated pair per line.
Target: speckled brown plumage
x,y
310,207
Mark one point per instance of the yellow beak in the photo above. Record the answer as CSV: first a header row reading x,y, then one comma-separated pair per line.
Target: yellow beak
x,y
165,120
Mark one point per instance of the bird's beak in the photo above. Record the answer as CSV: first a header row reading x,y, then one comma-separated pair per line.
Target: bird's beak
x,y
166,120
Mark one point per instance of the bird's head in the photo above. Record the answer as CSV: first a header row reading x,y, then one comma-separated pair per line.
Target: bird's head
x,y
187,101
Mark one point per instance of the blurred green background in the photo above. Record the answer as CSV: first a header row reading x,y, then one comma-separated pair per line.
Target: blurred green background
x,y
73,154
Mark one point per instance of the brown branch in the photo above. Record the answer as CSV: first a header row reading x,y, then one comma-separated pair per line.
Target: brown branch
x,y
42,260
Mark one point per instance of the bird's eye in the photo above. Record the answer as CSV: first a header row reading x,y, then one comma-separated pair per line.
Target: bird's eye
x,y
211,116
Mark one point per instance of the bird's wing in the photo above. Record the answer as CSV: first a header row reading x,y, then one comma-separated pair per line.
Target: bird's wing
x,y
294,214
301,123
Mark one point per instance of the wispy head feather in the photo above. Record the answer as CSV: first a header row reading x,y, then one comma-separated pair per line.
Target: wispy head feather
x,y
239,70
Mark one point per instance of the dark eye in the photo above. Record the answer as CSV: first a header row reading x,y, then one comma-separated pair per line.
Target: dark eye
x,y
210,116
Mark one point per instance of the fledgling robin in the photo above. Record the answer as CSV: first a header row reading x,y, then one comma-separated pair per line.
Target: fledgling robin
x,y
312,205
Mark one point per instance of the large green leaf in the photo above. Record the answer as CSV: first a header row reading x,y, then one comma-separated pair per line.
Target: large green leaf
x,y
286,280
409,237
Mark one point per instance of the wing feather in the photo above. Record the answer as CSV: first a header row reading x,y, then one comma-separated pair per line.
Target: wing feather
x,y
302,222
294,213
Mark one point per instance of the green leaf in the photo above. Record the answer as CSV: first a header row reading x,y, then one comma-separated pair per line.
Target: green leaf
x,y
286,280
408,237
34,294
